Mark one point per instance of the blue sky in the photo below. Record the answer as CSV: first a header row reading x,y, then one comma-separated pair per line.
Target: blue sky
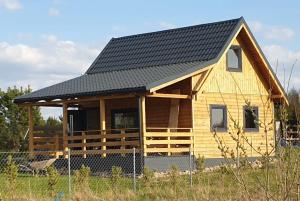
x,y
45,42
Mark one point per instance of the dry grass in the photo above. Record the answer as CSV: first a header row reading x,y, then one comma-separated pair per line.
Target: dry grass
x,y
218,185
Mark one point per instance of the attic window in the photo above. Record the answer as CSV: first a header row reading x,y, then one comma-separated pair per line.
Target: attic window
x,y
234,58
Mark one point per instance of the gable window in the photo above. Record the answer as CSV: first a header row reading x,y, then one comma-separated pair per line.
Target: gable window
x,y
234,58
251,118
218,118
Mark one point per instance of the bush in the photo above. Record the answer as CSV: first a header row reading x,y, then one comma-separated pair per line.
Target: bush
x,y
200,165
82,177
53,177
11,173
148,177
116,175
175,178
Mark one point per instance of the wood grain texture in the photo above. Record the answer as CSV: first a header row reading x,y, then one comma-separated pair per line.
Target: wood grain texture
x,y
232,89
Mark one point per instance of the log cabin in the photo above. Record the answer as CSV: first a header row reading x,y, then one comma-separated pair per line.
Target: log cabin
x,y
165,93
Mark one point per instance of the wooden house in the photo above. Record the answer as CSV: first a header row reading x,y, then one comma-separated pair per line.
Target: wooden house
x,y
165,93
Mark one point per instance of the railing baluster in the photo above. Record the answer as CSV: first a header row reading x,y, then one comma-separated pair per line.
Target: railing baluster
x,y
169,141
84,144
103,132
122,140
56,145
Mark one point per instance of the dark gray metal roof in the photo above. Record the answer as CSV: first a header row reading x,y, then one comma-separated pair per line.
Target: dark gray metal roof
x,y
109,82
195,43
139,62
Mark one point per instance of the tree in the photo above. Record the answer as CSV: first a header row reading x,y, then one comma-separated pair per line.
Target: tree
x,y
14,120
294,105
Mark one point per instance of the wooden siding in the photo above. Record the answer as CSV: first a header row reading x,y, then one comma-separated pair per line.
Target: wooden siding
x,y
231,89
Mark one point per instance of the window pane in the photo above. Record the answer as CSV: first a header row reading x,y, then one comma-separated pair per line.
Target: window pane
x,y
233,58
218,118
251,117
125,119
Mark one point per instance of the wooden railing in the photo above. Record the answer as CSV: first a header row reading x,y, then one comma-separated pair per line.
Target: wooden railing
x,y
168,141
113,141
47,140
157,141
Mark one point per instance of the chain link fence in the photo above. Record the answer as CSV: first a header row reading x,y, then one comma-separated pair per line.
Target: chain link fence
x,y
47,176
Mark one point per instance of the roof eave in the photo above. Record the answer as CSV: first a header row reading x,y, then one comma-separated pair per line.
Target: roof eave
x,y
84,94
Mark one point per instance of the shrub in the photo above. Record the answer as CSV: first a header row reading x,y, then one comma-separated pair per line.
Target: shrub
x,y
53,177
148,177
11,173
200,165
82,177
116,175
175,179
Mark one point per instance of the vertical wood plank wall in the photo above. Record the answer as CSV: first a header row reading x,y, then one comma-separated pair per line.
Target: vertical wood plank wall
x,y
230,89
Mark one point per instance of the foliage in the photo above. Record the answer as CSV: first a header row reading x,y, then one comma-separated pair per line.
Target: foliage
x,y
116,175
175,179
148,177
293,108
52,121
53,177
82,177
11,173
14,120
200,163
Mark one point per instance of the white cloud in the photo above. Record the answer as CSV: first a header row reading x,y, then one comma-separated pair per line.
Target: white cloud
x,y
272,32
282,59
53,12
12,5
49,62
166,25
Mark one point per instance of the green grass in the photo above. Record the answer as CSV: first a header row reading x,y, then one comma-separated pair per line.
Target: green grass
x,y
218,185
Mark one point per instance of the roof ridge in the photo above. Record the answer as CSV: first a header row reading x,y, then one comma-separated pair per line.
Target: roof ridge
x,y
176,29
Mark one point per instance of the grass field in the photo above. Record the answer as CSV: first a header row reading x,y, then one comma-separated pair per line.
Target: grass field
x,y
218,185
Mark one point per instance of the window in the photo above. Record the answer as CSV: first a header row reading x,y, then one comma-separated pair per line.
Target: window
x,y
234,58
218,118
251,118
125,118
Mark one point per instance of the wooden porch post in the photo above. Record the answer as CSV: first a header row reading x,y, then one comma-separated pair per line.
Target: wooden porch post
x,y
102,123
142,110
30,130
65,128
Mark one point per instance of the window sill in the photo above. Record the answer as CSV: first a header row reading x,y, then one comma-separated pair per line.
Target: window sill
x,y
219,130
251,130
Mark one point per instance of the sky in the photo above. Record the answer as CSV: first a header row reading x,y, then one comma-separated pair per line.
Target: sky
x,y
46,42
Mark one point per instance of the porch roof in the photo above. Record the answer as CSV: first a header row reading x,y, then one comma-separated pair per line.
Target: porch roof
x,y
138,62
124,81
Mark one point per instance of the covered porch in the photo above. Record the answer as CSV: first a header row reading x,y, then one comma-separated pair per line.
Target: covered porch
x,y
158,123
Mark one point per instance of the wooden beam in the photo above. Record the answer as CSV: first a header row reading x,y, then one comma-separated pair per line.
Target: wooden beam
x,y
180,78
59,103
176,96
65,126
200,83
277,96
174,111
142,111
30,129
102,123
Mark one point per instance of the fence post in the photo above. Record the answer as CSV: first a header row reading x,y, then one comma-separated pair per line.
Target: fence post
x,y
191,168
69,170
134,171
